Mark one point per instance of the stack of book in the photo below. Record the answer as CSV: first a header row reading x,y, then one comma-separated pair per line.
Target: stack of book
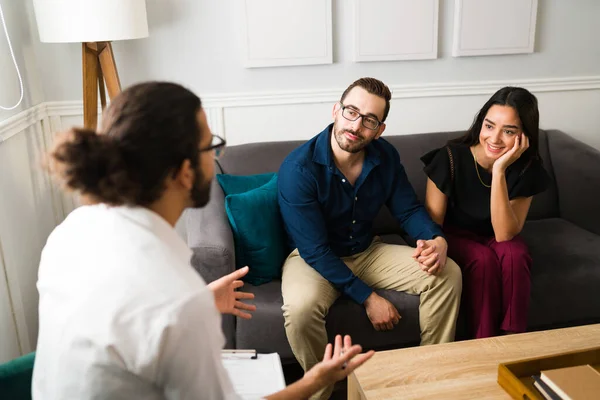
x,y
573,383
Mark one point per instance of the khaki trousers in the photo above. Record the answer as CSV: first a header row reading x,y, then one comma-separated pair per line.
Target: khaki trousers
x,y
307,297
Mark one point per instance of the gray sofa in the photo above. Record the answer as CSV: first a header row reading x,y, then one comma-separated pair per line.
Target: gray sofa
x,y
563,233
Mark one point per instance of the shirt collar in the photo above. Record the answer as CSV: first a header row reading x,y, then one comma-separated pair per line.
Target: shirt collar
x,y
153,222
322,154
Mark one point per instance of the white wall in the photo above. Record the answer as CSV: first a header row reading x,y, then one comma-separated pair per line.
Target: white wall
x,y
26,214
24,41
198,43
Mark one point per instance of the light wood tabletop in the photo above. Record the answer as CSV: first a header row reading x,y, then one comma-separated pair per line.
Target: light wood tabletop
x,y
460,370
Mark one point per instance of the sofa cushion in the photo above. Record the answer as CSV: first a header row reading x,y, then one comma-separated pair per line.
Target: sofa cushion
x,y
257,227
264,332
565,274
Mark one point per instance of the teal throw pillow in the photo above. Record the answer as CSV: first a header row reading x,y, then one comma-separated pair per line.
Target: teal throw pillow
x,y
15,377
258,232
236,184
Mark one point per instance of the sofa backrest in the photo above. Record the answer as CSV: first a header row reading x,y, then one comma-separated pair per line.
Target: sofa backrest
x,y
545,205
258,158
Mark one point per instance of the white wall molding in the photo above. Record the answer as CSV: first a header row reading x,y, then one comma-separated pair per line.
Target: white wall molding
x,y
216,105
46,118
65,108
222,109
33,115
401,91
216,119
20,122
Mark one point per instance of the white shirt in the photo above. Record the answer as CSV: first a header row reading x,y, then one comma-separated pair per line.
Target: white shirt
x,y
122,313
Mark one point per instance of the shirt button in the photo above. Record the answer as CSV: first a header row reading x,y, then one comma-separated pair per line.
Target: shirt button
x,y
350,237
354,221
356,199
343,180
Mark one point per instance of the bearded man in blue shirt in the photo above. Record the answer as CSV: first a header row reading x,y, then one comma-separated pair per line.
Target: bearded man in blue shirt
x,y
330,190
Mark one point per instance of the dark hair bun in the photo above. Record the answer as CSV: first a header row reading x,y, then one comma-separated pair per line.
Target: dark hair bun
x,y
93,165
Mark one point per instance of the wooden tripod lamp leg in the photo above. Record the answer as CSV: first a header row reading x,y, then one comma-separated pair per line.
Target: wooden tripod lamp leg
x,y
101,87
90,85
109,69
99,67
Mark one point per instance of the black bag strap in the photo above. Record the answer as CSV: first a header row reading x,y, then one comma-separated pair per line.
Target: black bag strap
x,y
526,167
451,163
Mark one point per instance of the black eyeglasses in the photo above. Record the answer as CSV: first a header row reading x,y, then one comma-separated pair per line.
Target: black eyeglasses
x,y
217,144
367,121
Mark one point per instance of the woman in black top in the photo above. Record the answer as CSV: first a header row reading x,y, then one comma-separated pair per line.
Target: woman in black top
x,y
480,189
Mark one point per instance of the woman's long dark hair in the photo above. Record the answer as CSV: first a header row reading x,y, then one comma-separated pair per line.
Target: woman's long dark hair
x,y
526,106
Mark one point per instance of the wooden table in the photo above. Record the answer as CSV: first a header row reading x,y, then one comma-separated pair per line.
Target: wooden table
x,y
460,370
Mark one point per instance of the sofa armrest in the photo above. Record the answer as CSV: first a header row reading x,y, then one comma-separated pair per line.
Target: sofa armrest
x,y
209,236
207,233
576,167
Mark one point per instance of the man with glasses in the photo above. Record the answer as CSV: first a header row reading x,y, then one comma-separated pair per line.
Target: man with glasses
x,y
330,190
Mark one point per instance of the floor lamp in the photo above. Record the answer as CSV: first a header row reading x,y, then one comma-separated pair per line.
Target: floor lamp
x,y
95,24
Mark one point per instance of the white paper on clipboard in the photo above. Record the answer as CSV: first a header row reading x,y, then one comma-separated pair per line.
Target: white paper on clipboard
x,y
254,378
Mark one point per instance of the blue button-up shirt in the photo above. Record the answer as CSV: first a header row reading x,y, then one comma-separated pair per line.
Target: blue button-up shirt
x,y
327,218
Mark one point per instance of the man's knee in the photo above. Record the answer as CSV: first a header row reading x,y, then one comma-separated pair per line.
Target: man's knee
x,y
453,274
304,310
450,277
307,296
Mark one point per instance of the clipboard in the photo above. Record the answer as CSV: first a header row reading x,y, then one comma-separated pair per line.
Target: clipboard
x,y
239,353
252,374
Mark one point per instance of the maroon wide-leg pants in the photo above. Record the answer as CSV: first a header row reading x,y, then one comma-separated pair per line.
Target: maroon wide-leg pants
x,y
496,281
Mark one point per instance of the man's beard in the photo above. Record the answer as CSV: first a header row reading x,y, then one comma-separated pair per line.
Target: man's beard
x,y
200,192
347,145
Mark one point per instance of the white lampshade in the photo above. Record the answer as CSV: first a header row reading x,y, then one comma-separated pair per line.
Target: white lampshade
x,y
68,21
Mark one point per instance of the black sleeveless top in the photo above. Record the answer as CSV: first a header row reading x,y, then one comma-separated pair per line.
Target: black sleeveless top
x,y
468,199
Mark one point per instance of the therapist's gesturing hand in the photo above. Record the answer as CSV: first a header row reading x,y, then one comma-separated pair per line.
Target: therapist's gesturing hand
x,y
227,299
338,362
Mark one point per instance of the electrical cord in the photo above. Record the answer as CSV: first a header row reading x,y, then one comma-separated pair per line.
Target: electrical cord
x,y
14,61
